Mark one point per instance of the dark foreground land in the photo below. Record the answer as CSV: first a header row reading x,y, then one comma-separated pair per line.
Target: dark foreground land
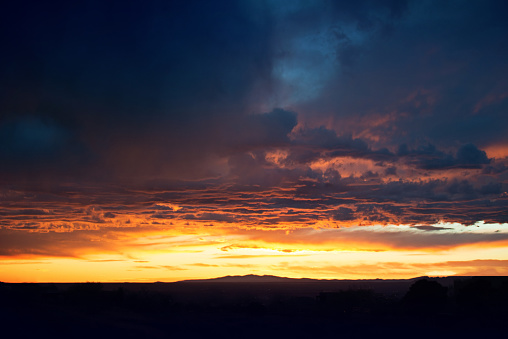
x,y
259,307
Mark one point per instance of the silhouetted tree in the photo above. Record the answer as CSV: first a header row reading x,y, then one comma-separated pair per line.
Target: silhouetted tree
x,y
425,297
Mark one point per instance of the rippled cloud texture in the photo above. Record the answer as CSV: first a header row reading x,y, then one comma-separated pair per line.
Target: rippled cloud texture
x,y
305,138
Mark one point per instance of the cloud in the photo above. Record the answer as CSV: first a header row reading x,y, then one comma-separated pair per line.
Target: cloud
x,y
181,89
390,270
310,144
212,217
429,228
261,130
127,91
344,213
429,158
369,238
427,96
16,243
35,145
496,168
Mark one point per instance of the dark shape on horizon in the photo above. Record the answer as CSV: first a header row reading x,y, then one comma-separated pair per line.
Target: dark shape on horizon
x,y
425,297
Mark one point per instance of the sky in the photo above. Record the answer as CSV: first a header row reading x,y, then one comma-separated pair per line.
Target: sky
x,y
173,140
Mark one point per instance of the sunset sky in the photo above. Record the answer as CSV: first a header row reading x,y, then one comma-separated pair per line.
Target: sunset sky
x,y
171,140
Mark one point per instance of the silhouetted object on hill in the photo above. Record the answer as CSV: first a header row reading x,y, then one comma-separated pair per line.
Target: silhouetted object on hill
x,y
425,297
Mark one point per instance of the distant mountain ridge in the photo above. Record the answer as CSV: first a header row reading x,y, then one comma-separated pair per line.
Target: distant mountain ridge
x,y
253,278
248,278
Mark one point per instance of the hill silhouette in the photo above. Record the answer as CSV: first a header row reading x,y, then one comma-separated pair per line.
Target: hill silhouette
x,y
250,278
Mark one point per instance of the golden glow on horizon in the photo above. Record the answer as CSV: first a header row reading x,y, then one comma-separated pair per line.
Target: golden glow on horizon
x,y
206,252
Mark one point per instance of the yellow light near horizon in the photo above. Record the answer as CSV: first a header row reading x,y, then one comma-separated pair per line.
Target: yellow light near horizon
x,y
211,263
194,253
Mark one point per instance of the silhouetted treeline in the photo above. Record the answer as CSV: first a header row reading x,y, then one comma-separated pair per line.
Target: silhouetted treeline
x,y
140,310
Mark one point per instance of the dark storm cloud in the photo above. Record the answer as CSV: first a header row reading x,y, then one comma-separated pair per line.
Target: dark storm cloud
x,y
259,131
344,213
144,91
495,168
429,158
139,86
437,75
330,145
31,145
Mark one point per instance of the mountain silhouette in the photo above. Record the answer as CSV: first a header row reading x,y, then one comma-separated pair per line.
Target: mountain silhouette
x,y
250,278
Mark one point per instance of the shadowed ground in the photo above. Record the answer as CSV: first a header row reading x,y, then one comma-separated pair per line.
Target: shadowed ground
x,y
253,307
